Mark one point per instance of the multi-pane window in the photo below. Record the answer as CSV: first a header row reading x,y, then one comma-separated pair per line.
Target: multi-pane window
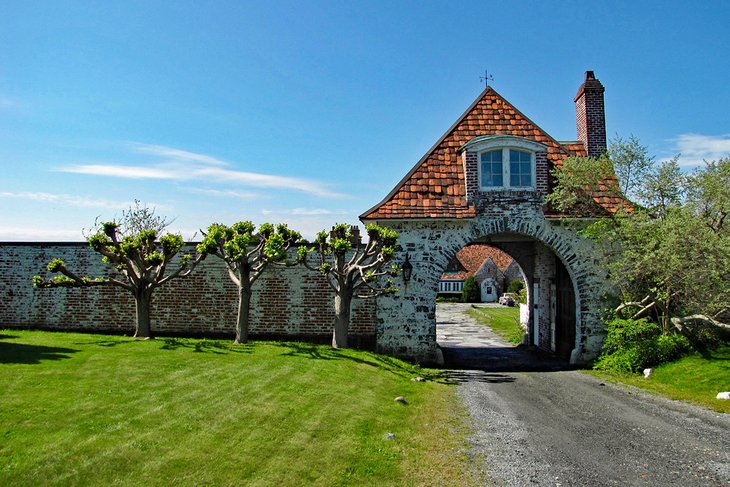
x,y
520,168
506,168
492,169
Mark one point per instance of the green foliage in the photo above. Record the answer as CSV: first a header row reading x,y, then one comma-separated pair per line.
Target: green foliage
x,y
631,163
672,245
517,288
632,345
55,265
470,292
577,180
240,243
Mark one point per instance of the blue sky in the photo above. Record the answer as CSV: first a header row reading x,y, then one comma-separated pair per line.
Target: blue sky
x,y
310,112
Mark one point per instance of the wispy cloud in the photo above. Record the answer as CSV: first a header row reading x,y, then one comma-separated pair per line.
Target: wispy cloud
x,y
177,154
693,149
228,193
129,172
180,165
66,199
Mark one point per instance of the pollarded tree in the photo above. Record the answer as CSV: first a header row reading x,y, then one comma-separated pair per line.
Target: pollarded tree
x,y
356,275
140,261
246,254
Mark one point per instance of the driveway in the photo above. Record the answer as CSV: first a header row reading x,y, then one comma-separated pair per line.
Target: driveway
x,y
547,426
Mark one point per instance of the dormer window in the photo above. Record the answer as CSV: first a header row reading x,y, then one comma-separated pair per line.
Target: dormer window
x,y
505,162
514,166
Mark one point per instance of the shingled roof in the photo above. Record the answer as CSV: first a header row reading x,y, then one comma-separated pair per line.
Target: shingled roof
x,y
471,258
435,187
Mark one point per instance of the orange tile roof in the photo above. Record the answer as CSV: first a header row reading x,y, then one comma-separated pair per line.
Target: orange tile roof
x,y
435,187
473,257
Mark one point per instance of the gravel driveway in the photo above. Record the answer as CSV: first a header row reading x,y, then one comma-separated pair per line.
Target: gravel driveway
x,y
565,428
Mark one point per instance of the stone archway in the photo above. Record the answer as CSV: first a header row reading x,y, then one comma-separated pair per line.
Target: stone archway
x,y
555,258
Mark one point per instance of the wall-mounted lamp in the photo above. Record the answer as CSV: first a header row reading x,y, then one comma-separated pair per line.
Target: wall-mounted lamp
x,y
407,268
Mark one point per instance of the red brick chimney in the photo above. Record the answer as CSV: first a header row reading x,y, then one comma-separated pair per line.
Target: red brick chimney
x,y
590,116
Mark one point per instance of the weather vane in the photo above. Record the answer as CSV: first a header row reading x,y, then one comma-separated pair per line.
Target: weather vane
x,y
486,78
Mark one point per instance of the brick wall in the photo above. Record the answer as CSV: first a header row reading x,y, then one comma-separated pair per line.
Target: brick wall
x,y
590,115
289,303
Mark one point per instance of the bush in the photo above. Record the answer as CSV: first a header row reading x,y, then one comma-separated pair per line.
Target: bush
x,y
632,345
515,286
470,292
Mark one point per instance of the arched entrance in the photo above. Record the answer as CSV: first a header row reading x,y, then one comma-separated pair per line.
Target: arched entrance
x,y
563,285
551,311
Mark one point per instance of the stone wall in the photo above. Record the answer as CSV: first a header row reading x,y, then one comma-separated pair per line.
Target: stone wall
x,y
406,321
288,303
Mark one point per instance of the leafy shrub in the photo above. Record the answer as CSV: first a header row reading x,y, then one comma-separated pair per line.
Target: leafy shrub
x,y
632,345
515,286
470,292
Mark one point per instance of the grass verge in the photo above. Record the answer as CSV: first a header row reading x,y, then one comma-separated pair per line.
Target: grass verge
x,y
504,321
694,378
100,410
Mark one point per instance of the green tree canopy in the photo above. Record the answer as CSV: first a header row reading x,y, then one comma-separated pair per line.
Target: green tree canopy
x,y
138,257
246,254
352,269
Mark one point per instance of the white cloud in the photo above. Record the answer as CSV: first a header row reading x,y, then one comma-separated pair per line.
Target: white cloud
x,y
66,199
696,148
180,165
131,172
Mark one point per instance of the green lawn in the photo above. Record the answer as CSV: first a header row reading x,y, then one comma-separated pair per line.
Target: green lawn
x,y
694,378
82,409
504,321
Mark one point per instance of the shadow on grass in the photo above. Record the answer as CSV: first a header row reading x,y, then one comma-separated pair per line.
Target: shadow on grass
x,y
383,362
4,337
205,346
20,353
108,342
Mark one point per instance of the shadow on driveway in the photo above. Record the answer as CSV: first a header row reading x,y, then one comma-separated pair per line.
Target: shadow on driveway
x,y
469,345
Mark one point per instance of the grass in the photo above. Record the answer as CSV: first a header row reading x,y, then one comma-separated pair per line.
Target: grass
x,y
694,379
82,409
504,321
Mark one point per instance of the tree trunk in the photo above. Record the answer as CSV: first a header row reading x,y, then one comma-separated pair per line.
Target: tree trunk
x,y
244,302
342,319
142,300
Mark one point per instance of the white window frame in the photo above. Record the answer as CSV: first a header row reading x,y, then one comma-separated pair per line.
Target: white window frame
x,y
488,143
